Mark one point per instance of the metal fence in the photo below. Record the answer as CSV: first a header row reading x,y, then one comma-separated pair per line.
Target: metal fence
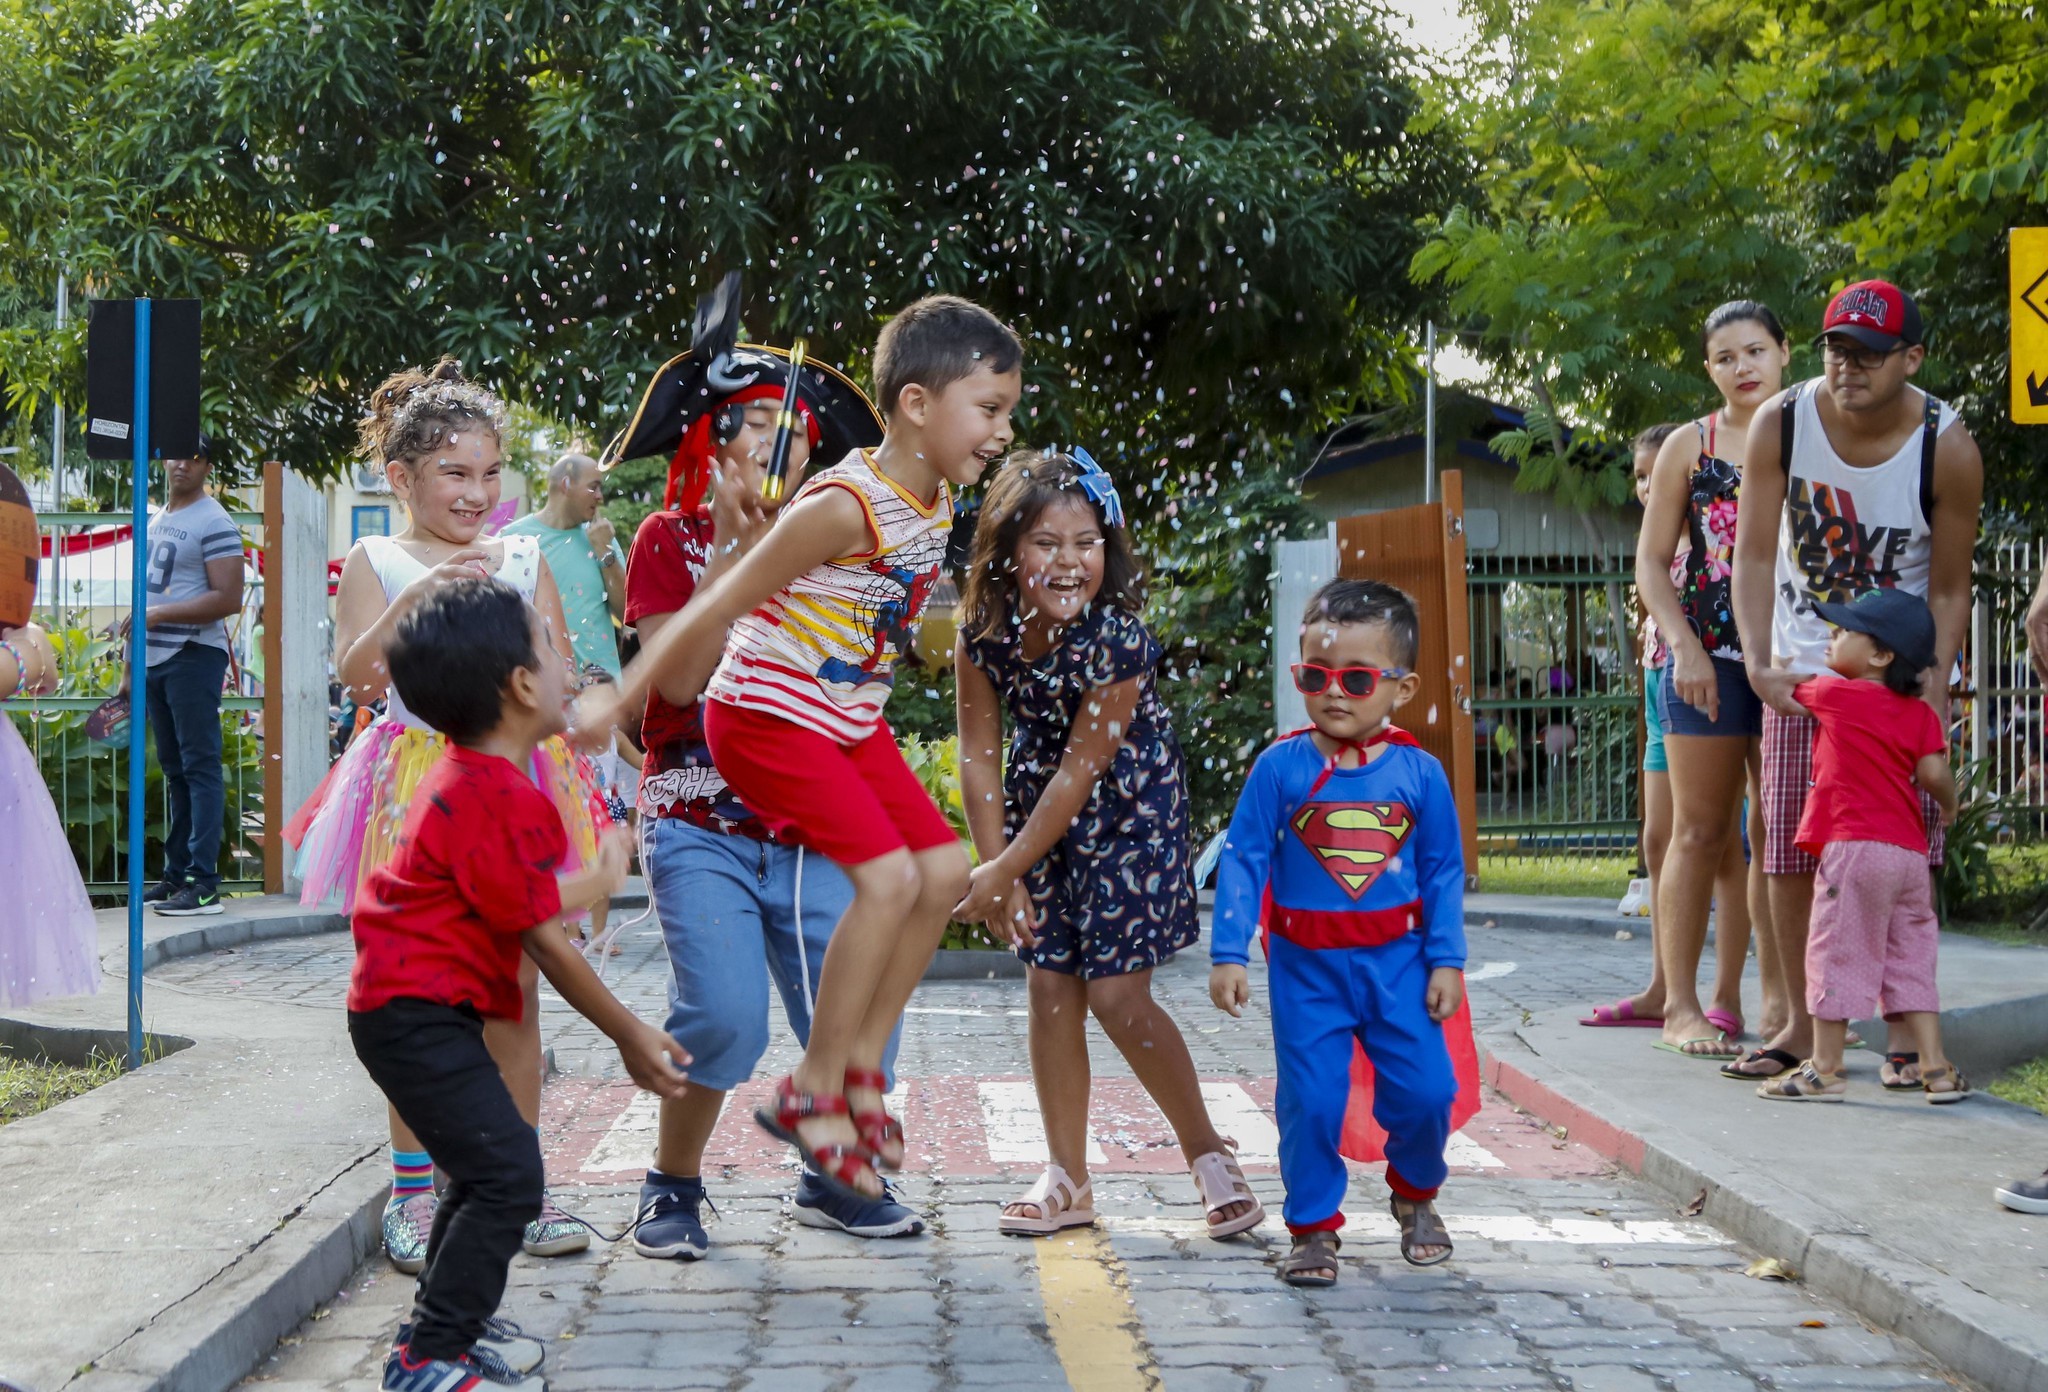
x,y
1558,715
84,590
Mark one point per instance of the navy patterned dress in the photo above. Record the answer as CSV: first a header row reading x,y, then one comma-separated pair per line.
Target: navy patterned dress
x,y
1117,892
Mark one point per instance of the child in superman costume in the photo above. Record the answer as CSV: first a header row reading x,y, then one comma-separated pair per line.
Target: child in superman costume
x,y
1345,848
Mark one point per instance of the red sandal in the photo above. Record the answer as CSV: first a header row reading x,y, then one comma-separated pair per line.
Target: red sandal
x,y
836,1164
877,1128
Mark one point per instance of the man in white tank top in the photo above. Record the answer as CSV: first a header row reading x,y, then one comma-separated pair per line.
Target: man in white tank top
x,y
1866,482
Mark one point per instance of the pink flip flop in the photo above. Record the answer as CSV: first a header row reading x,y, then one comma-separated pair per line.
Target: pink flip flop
x,y
1621,1015
1726,1021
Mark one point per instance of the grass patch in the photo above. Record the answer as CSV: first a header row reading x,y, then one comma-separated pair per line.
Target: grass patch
x,y
29,1086
2008,897
1587,876
2026,1084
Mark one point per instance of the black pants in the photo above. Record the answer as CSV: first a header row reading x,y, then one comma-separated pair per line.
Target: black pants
x,y
430,1061
183,694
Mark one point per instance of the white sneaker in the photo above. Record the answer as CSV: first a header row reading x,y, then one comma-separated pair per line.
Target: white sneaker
x,y
1635,903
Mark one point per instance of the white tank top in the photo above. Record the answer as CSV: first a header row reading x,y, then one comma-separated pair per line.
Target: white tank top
x,y
396,568
823,652
1845,529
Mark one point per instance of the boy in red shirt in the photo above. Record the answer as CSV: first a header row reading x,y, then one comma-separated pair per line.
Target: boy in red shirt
x,y
1874,931
438,934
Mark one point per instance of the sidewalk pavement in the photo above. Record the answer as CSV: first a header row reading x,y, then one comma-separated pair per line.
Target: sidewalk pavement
x,y
246,1172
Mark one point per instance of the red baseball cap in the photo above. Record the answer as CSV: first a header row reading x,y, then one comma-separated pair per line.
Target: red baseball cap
x,y
1876,313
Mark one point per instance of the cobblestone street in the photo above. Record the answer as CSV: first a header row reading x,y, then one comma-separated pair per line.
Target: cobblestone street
x,y
1568,1275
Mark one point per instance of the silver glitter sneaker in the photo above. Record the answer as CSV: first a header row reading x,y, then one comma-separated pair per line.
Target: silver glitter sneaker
x,y
407,1225
554,1233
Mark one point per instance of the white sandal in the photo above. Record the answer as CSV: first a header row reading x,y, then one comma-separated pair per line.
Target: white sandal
x,y
1060,1204
1221,1183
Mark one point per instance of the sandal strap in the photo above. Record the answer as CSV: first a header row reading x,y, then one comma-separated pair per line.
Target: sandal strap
x,y
1420,1225
843,1162
1220,1180
1054,1192
865,1078
792,1106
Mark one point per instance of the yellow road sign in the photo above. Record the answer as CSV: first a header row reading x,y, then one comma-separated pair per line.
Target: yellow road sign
x,y
2029,251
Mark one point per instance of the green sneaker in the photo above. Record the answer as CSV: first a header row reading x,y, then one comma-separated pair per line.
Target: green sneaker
x,y
188,903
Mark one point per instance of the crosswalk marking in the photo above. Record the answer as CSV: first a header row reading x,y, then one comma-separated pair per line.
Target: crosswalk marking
x,y
629,1143
1010,1121
1486,1227
1464,1153
1243,1120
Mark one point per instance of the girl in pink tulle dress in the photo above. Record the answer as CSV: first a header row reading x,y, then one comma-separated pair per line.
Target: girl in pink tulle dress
x,y
49,945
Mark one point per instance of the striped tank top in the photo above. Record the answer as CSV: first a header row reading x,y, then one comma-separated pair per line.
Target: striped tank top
x,y
822,653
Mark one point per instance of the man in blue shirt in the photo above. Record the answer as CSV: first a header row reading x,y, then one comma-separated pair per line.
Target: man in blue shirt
x,y
579,547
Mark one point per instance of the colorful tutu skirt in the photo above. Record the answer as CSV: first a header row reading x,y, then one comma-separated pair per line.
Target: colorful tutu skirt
x,y
49,944
351,824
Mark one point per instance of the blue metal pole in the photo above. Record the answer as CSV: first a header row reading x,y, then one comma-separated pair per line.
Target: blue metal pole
x,y
138,668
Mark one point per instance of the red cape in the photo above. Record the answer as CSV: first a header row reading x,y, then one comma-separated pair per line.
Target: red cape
x,y
1362,1138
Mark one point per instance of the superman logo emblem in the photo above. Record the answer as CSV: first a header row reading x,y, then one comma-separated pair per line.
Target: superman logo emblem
x,y
1354,841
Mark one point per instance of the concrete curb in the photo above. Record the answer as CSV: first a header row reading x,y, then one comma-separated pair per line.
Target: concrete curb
x,y
1980,1338
211,1340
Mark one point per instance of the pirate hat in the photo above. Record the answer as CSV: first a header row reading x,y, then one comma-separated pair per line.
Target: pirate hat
x,y
674,415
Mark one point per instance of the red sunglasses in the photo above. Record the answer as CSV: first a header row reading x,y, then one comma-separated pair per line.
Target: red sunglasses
x,y
1312,679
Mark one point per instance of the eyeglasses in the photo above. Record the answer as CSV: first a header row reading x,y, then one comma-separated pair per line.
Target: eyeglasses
x,y
1861,358
1312,679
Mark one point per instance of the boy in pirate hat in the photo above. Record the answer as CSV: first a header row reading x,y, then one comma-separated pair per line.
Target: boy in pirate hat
x,y
738,906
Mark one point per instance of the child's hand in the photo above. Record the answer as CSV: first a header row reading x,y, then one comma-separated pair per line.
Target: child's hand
x,y
1230,987
614,858
997,897
1446,993
654,1060
594,716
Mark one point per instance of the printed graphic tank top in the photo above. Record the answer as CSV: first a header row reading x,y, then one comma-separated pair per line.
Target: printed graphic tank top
x,y
823,652
1704,594
396,568
1845,529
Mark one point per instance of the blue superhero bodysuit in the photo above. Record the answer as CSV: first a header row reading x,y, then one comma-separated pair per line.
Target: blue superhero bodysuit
x,y
1366,875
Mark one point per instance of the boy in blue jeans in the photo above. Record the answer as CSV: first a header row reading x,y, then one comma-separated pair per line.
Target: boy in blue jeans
x,y
1351,831
738,909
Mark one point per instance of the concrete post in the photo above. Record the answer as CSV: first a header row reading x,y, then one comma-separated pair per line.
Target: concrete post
x,y
295,643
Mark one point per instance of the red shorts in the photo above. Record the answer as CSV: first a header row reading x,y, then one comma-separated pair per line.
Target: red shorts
x,y
849,803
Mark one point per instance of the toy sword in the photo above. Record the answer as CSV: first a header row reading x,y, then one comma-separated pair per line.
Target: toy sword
x,y
777,480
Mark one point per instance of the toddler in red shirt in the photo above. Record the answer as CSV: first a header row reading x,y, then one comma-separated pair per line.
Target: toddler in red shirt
x,y
1874,931
439,929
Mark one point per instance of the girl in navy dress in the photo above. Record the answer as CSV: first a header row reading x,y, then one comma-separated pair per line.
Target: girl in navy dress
x,y
1083,839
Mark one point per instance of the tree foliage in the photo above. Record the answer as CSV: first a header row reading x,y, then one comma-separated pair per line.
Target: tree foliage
x,y
1645,160
1199,213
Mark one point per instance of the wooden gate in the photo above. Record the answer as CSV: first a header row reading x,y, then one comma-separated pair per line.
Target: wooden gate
x,y
1422,550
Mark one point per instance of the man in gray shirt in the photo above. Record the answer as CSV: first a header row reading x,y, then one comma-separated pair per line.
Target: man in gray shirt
x,y
194,582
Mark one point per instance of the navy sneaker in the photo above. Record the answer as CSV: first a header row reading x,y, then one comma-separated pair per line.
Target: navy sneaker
x,y
474,1372
188,902
502,1343
818,1206
667,1224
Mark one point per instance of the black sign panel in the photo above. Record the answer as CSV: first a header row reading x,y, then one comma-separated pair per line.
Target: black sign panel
x,y
173,379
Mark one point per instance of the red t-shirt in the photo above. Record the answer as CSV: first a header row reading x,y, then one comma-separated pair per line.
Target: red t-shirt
x,y
475,867
679,780
1870,740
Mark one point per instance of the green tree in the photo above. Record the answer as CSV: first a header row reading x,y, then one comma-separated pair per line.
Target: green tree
x,y
1198,213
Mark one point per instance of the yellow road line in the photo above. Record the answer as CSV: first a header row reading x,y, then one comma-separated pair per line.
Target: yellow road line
x,y
1089,1314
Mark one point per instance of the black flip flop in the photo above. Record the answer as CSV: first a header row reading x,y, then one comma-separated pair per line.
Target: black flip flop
x,y
1899,1063
1786,1063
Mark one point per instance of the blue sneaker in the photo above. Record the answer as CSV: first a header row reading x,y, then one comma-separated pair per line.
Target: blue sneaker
x,y
667,1224
474,1372
818,1206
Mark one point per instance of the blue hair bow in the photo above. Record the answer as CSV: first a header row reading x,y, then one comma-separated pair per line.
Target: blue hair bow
x,y
1101,490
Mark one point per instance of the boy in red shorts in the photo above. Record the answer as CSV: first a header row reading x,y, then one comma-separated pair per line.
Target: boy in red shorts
x,y
1874,931
438,933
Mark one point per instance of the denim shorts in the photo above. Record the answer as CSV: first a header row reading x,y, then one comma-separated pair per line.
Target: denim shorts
x,y
1653,722
1742,710
728,910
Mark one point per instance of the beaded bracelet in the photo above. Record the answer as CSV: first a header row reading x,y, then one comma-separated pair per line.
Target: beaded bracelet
x,y
20,670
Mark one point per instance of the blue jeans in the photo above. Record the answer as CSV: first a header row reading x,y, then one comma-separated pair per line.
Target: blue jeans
x,y
183,693
728,910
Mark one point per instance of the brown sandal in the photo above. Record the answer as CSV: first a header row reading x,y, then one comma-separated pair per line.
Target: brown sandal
x,y
1420,1227
1312,1261
1958,1086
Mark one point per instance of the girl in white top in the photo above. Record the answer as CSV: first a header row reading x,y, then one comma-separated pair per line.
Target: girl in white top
x,y
437,437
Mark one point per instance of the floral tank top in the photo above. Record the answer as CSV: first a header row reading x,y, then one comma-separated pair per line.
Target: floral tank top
x,y
1705,593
